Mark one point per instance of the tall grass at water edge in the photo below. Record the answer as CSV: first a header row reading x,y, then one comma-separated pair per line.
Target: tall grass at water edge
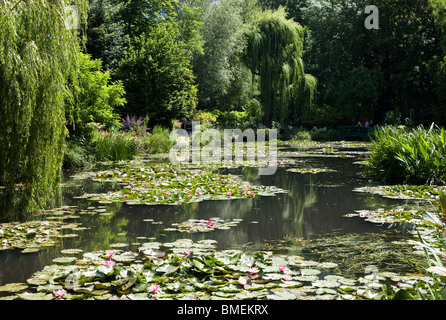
x,y
408,155
114,146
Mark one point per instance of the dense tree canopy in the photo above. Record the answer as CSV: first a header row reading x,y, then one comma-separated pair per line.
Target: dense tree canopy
x,y
95,98
148,46
398,51
398,67
222,78
157,78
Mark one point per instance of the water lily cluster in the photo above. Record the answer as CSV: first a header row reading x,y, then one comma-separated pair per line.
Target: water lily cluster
x,y
170,184
201,225
31,236
193,270
310,170
412,192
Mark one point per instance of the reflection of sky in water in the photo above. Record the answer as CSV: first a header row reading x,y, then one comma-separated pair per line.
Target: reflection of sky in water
x,y
314,205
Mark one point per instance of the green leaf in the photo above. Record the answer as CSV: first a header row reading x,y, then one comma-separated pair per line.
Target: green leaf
x,y
402,294
201,266
125,191
441,271
167,268
13,287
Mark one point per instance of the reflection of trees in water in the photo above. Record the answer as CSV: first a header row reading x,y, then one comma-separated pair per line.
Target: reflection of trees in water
x,y
288,209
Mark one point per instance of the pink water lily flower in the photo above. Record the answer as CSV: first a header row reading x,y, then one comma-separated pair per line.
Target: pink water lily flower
x,y
110,254
126,195
155,288
186,252
46,223
287,277
59,294
254,270
210,223
109,263
229,194
197,192
242,280
189,195
282,268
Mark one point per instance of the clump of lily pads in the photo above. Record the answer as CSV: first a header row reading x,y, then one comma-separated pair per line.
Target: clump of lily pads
x,y
194,225
192,270
393,215
31,236
310,170
168,184
413,192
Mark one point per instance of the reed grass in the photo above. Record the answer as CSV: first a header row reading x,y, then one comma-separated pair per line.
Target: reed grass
x,y
115,146
408,155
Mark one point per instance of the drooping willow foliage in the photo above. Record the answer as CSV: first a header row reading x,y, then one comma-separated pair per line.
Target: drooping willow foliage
x,y
274,52
38,58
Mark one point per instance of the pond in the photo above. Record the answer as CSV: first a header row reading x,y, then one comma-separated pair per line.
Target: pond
x,y
308,219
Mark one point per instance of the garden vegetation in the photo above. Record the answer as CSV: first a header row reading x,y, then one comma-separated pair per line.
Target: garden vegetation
x,y
408,155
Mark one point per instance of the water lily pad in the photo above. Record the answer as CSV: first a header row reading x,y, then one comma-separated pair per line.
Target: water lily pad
x,y
281,294
326,283
31,249
35,296
13,287
71,251
64,259
310,170
309,272
118,245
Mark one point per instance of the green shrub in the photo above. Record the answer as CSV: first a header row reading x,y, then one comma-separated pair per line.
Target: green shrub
x,y
95,98
77,154
323,134
115,146
157,141
402,155
295,134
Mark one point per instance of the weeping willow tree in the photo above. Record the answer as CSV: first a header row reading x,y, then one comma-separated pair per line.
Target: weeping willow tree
x,y
38,57
274,53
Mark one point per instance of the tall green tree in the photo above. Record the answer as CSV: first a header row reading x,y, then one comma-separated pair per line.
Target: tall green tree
x,y
38,57
221,75
157,77
274,54
107,33
95,98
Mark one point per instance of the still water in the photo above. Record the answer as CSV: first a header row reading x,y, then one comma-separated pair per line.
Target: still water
x,y
314,206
